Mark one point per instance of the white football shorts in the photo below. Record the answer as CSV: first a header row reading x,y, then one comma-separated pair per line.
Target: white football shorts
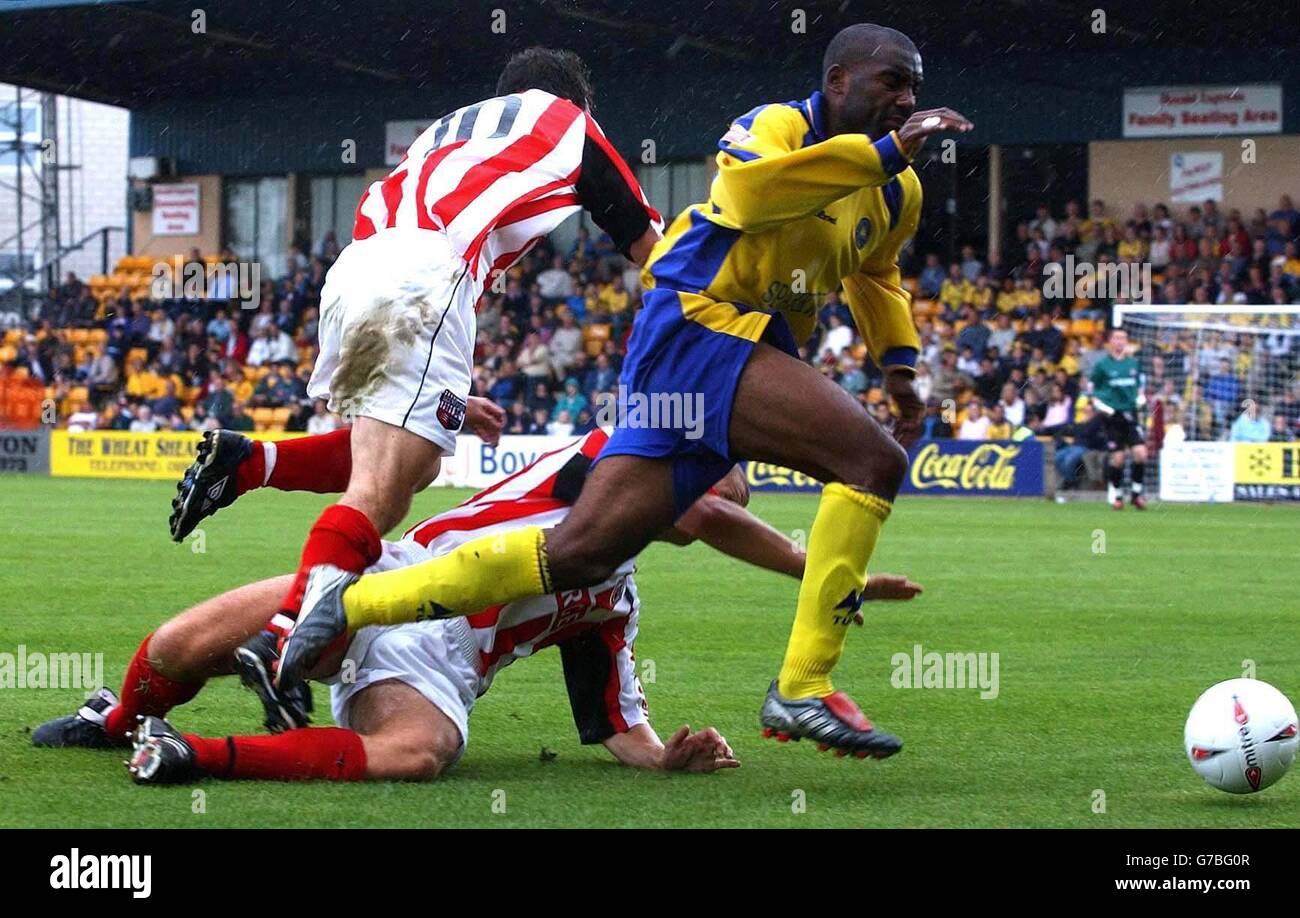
x,y
397,331
436,658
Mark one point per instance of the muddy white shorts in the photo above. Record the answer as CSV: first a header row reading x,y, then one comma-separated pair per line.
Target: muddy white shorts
x,y
397,334
436,658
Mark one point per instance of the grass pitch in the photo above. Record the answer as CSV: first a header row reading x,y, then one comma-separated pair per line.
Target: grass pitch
x,y
1101,654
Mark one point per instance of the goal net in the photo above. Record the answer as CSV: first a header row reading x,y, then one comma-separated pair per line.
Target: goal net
x,y
1218,372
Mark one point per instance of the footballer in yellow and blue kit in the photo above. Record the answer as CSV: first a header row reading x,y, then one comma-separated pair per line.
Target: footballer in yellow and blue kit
x,y
792,215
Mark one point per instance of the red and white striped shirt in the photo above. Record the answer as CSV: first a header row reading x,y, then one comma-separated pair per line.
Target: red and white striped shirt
x,y
595,628
499,175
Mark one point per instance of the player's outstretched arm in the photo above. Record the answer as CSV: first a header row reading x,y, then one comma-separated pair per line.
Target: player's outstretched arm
x,y
734,531
704,751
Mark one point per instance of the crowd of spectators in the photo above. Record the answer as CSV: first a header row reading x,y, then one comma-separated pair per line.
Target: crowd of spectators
x,y
1003,356
1005,353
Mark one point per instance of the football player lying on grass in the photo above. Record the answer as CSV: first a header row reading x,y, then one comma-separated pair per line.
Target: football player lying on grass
x,y
402,695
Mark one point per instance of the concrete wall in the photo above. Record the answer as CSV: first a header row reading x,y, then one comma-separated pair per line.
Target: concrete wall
x,y
207,240
1127,172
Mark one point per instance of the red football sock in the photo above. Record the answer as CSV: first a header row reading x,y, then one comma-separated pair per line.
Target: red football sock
x,y
344,537
322,464
146,691
251,473
331,753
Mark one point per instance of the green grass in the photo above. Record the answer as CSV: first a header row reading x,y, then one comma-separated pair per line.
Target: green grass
x,y
1101,655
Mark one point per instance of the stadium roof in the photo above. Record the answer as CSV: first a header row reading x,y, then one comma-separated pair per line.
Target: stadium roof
x,y
141,52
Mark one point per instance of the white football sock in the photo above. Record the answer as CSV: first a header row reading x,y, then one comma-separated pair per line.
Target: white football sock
x,y
268,459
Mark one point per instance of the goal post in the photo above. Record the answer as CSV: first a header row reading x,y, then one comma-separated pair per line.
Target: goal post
x,y
1217,374
1210,364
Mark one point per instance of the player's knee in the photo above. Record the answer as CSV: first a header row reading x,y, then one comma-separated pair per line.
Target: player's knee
x,y
879,467
171,652
579,559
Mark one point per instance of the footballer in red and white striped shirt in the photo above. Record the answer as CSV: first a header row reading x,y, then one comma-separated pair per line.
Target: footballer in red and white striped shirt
x,y
498,175
397,324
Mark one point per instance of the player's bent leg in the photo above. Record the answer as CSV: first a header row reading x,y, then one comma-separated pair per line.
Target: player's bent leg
x,y
786,412
625,503
201,641
226,635
406,738
389,464
169,668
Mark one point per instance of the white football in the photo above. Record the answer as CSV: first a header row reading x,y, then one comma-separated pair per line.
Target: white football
x,y
1241,735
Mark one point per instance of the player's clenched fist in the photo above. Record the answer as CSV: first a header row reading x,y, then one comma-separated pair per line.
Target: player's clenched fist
x,y
931,121
910,408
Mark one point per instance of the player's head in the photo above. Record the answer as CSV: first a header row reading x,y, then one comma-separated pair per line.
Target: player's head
x,y
1117,342
870,77
561,73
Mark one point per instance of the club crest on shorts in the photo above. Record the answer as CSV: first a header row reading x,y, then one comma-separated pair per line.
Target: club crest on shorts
x,y
451,410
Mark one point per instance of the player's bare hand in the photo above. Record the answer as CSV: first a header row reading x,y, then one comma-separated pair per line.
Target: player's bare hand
x,y
931,121
887,587
910,408
698,752
485,418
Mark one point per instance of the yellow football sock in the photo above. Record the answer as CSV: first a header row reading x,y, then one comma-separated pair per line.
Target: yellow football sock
x,y
488,571
843,537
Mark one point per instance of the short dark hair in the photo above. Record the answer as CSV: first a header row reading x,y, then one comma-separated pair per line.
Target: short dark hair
x,y
856,43
561,73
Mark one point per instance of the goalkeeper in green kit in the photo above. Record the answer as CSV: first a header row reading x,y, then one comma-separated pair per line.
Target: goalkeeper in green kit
x,y
1117,395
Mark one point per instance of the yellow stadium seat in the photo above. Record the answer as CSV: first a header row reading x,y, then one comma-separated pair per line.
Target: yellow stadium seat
x,y
250,373
280,416
187,412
